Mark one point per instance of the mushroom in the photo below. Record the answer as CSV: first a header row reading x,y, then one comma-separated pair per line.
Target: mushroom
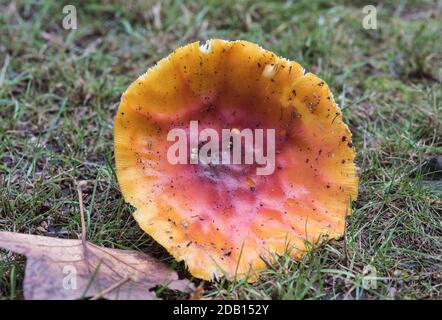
x,y
225,219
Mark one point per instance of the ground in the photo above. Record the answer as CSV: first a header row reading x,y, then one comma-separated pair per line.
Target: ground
x,y
59,92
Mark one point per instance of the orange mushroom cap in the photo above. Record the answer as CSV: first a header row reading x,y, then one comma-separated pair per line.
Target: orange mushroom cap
x,y
225,220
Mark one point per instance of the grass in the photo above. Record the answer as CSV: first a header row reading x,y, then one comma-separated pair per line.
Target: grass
x,y
59,91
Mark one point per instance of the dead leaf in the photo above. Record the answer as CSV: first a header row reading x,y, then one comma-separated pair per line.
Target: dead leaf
x,y
72,269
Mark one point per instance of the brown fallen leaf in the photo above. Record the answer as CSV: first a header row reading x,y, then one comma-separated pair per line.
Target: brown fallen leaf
x,y
72,269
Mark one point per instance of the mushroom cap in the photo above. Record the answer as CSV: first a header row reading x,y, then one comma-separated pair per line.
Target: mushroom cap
x,y
225,220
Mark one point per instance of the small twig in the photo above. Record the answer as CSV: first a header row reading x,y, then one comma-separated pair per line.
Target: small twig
x,y
86,252
80,199
3,72
349,292
198,293
267,263
111,288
